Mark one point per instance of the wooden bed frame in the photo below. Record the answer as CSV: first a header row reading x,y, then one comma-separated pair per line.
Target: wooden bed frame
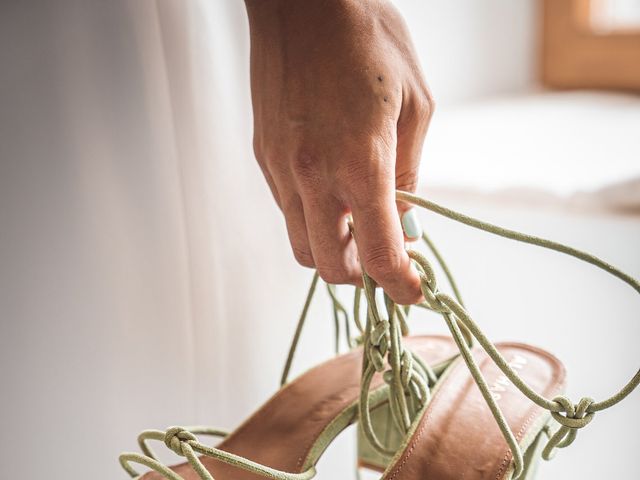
x,y
577,55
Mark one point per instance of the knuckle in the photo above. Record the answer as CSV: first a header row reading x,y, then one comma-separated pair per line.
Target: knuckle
x,y
362,177
406,297
303,257
426,96
432,104
423,104
382,261
424,109
304,166
428,104
408,180
333,275
355,173
259,149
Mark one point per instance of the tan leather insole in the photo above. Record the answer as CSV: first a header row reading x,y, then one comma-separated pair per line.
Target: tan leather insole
x,y
281,433
457,437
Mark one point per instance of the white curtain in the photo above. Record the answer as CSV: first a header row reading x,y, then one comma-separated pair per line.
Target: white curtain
x,y
145,272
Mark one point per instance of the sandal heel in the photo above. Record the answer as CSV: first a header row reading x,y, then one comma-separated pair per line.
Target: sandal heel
x,y
532,457
390,435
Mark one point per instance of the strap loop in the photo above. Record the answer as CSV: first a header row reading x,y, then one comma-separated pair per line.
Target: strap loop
x,y
408,378
175,437
575,416
570,417
183,442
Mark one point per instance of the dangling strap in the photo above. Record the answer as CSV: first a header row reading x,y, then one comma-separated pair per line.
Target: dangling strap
x,y
296,335
340,312
403,375
408,377
570,416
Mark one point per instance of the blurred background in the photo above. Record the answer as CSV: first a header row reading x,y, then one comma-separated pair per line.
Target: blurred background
x,y
137,290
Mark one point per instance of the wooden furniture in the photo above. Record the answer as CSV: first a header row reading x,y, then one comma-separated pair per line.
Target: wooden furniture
x,y
576,54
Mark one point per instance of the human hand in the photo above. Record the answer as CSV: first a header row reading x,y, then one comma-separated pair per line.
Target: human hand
x,y
340,113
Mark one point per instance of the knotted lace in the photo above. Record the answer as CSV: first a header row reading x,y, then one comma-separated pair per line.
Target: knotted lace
x,y
404,372
570,416
408,378
183,442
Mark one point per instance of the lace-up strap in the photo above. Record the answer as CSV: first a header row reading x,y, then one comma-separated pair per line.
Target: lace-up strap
x,y
407,376
570,416
340,312
183,442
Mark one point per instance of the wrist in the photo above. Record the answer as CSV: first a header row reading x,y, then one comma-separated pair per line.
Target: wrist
x,y
268,15
262,14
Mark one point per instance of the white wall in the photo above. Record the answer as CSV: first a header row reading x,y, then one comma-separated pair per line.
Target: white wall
x,y
470,48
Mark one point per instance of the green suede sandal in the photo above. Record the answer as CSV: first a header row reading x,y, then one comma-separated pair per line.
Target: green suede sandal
x,y
381,418
508,378
390,435
285,438
432,354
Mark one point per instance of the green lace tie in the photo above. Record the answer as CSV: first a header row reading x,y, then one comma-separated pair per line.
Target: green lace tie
x,y
408,378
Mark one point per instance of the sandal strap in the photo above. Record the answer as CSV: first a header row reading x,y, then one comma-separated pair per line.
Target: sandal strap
x,y
407,376
340,312
405,372
183,442
409,369
570,416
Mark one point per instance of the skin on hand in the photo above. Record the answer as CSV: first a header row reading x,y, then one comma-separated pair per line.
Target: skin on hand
x,y
340,114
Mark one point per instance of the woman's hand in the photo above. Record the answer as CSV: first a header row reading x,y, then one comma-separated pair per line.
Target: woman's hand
x,y
340,113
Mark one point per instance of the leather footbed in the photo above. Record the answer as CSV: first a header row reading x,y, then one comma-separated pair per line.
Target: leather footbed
x,y
282,432
457,436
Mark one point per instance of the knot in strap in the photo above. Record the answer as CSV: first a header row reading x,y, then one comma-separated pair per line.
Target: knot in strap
x,y
575,416
432,298
379,334
406,368
175,437
379,345
571,418
406,372
428,283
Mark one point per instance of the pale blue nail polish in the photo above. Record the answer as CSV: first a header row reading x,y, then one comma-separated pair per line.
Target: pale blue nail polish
x,y
411,224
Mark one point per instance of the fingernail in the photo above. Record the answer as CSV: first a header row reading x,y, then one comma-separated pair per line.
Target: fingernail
x,y
411,224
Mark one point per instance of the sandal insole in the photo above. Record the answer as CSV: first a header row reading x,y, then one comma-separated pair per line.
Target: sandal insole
x,y
457,437
283,431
